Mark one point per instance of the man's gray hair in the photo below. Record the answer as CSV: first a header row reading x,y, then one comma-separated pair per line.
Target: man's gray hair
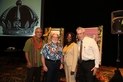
x,y
80,28
37,28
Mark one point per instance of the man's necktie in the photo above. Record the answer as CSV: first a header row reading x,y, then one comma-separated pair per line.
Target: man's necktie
x,y
80,60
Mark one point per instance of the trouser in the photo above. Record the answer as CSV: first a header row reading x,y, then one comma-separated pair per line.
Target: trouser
x,y
84,70
34,72
52,75
69,77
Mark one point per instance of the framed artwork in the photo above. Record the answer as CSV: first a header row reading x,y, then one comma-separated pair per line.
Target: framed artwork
x,y
51,30
97,34
20,17
92,32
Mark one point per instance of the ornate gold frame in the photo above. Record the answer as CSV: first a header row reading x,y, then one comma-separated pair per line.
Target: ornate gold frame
x,y
60,31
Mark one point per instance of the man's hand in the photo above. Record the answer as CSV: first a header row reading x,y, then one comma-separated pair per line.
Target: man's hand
x,y
94,69
45,68
29,65
61,66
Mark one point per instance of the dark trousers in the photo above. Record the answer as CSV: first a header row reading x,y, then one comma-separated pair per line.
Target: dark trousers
x,y
52,75
34,72
84,71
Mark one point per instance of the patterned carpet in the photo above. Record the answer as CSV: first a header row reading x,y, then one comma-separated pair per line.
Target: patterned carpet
x,y
16,72
105,74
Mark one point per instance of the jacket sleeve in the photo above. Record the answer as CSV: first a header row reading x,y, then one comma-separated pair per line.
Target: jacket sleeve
x,y
75,57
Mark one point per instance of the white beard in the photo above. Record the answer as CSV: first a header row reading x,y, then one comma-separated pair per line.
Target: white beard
x,y
54,41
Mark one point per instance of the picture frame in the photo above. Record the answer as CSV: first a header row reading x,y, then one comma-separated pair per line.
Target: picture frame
x,y
97,34
30,17
59,31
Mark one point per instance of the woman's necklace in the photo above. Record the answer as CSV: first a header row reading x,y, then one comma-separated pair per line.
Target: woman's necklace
x,y
67,47
38,46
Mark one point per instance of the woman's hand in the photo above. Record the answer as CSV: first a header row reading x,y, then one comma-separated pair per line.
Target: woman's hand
x,y
72,72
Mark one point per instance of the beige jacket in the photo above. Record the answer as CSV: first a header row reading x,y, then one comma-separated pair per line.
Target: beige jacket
x,y
71,57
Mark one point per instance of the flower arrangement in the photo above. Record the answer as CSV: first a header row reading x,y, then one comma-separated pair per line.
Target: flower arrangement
x,y
60,35
47,33
100,32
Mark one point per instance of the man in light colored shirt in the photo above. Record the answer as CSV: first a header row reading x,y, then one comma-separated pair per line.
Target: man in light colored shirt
x,y
90,57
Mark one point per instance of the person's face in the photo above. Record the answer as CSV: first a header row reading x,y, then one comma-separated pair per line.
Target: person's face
x,y
55,38
69,38
38,33
80,34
